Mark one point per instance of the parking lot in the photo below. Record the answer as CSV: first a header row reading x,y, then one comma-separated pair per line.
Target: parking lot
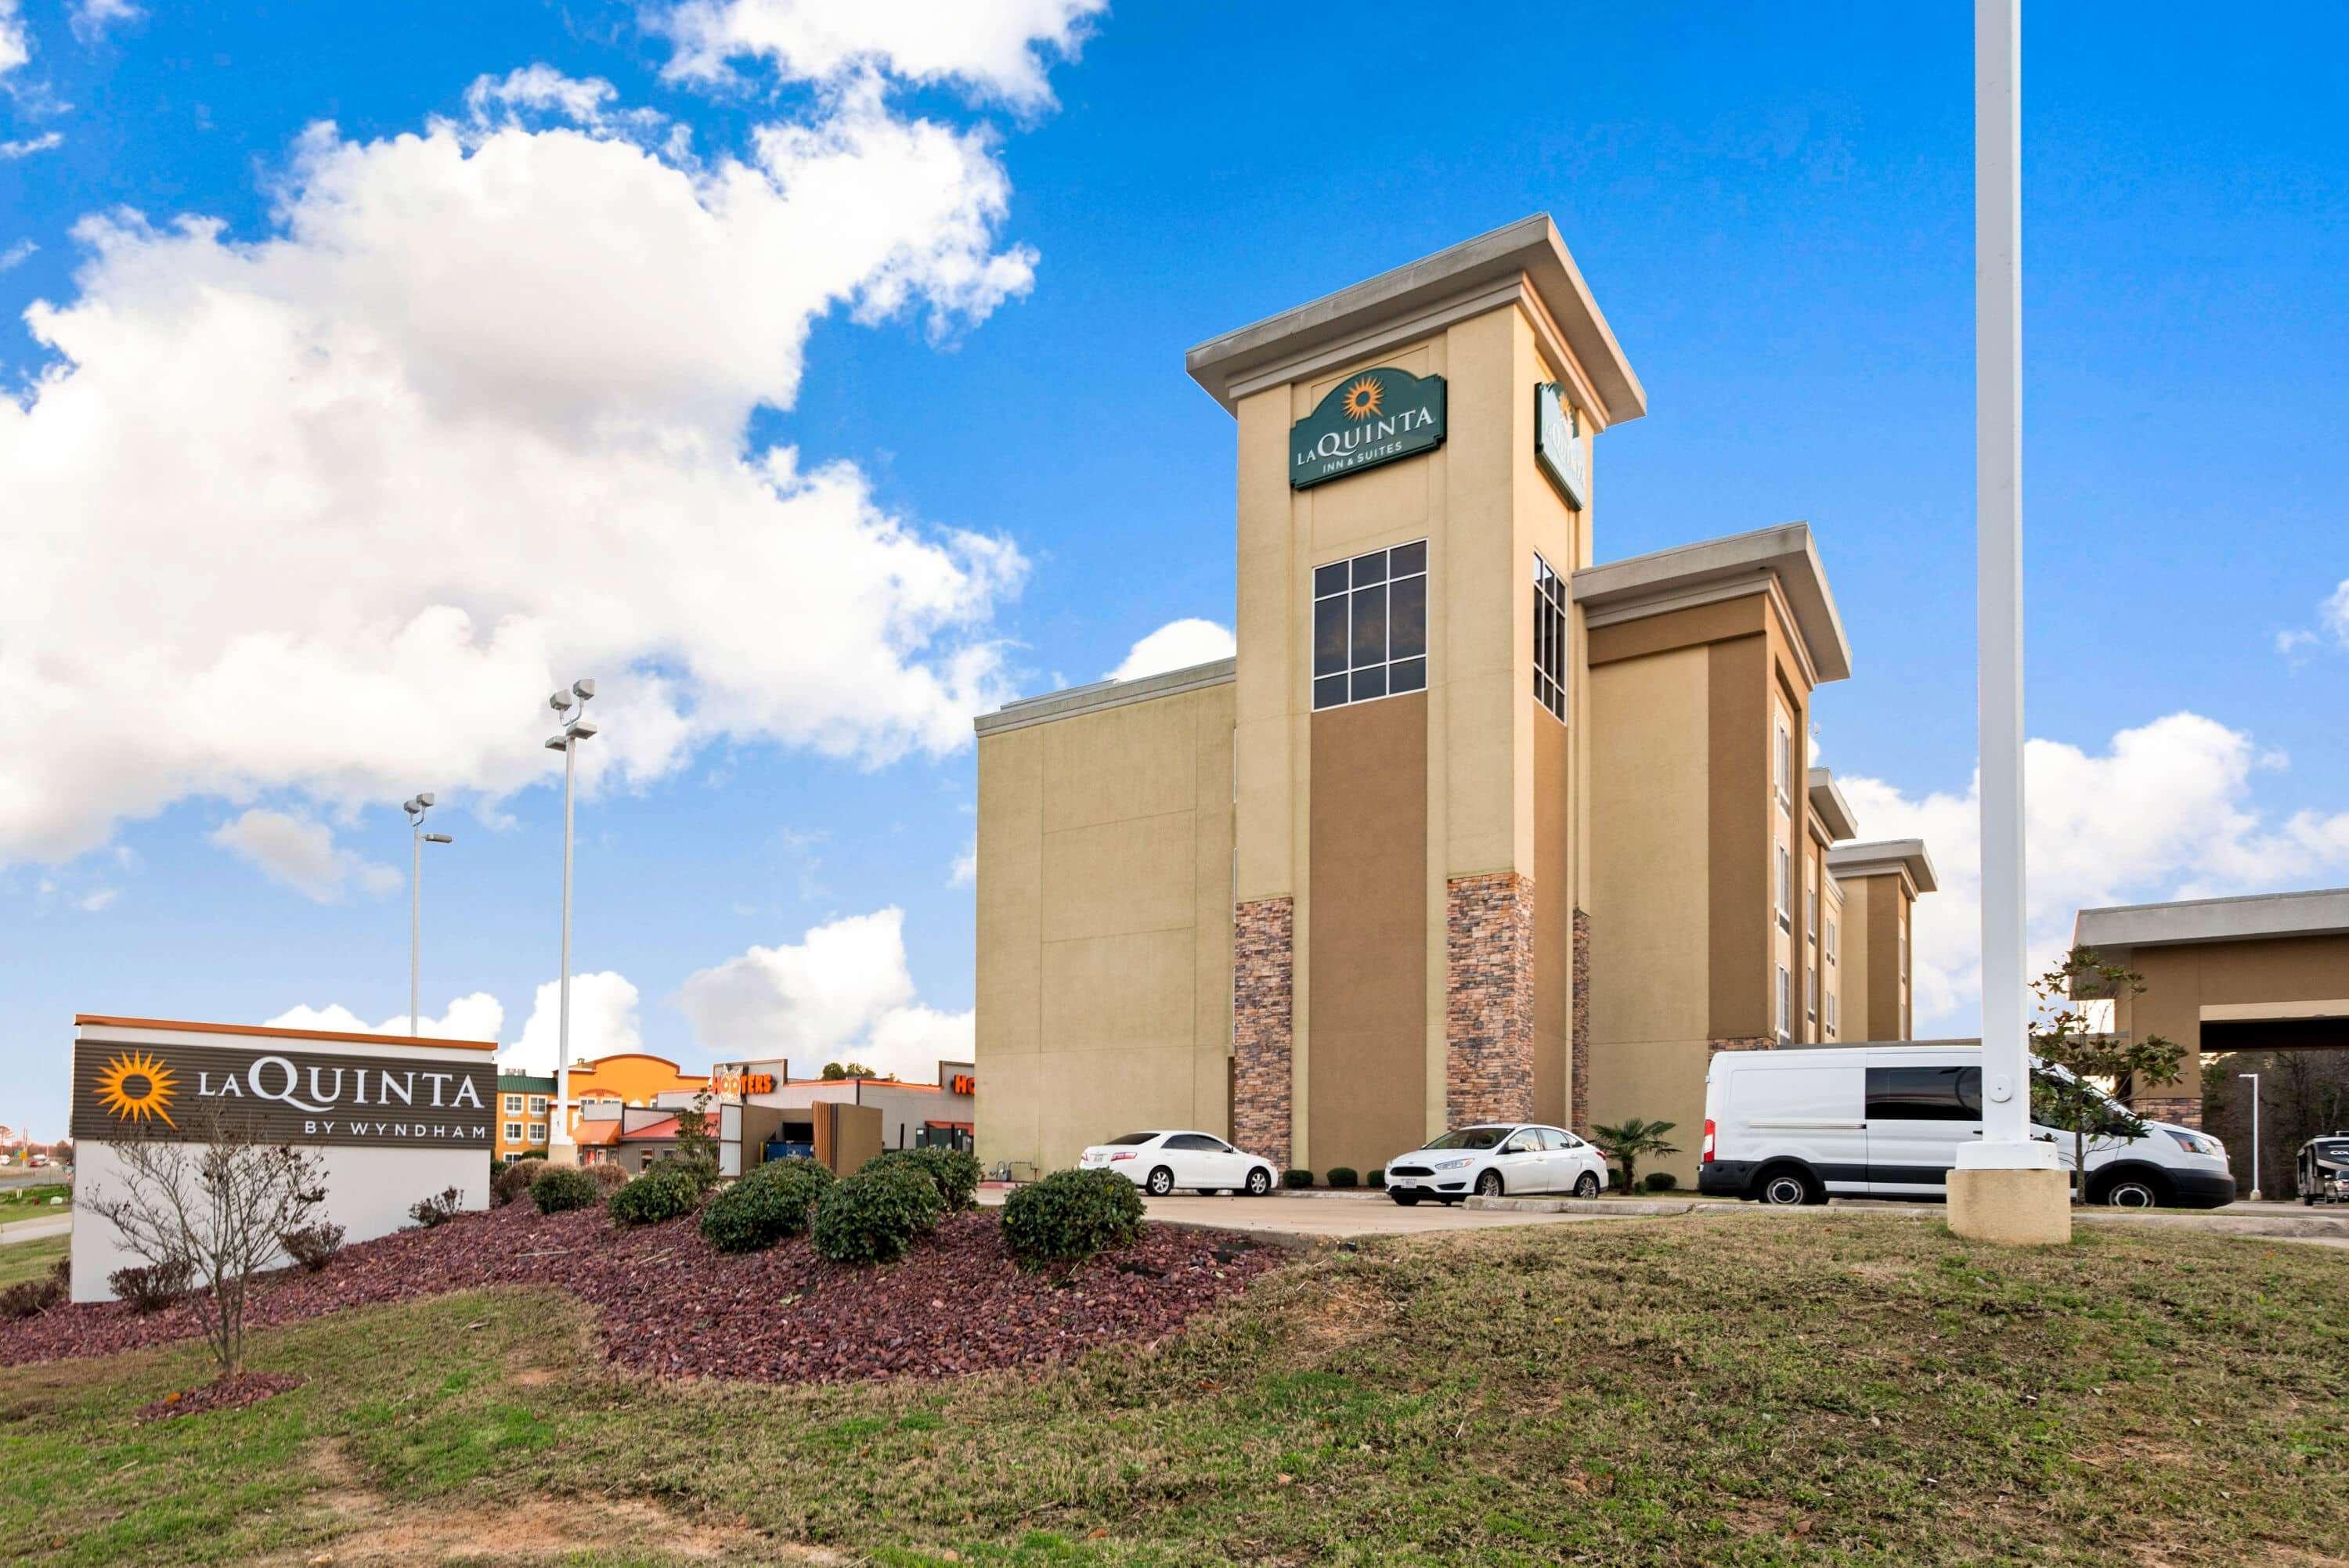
x,y
1335,1217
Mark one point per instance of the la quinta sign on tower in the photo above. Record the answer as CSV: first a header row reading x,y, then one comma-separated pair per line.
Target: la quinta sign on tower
x,y
1374,418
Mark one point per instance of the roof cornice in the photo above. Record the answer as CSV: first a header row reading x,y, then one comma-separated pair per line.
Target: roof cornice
x,y
1883,857
1781,558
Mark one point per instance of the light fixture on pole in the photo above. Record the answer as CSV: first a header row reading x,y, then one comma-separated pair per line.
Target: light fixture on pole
x,y
2006,1187
416,806
2255,1133
571,705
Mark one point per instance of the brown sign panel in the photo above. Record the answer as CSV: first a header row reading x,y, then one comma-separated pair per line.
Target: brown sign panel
x,y
123,1091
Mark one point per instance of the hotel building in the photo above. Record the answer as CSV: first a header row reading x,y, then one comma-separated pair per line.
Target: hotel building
x,y
1473,826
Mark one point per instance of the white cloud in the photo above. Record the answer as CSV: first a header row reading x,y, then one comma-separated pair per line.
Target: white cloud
x,y
17,254
302,854
2331,622
603,1022
30,145
2333,613
477,1017
965,873
2166,812
92,18
843,992
15,48
97,901
1177,646
469,425
1000,50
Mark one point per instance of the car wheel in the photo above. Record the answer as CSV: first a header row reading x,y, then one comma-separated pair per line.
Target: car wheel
x,y
1785,1188
1489,1185
2133,1193
1586,1185
1162,1181
1406,1199
1259,1182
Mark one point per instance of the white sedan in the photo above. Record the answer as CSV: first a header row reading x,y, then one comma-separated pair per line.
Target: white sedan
x,y
1496,1160
1159,1162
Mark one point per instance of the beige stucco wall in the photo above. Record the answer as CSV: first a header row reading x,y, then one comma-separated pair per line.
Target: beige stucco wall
x,y
1650,892
1857,960
1104,926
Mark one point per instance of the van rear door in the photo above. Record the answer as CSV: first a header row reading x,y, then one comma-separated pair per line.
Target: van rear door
x,y
1918,1115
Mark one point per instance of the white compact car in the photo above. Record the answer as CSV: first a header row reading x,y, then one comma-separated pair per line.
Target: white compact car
x,y
1160,1162
1887,1122
1497,1159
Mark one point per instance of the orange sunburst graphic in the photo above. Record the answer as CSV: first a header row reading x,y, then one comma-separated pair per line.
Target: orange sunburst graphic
x,y
137,1087
1363,399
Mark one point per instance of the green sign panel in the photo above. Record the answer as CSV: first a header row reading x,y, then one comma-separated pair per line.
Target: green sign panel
x,y
1372,418
1558,444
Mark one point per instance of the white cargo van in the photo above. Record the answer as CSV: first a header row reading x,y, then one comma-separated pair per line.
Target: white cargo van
x,y
1887,1122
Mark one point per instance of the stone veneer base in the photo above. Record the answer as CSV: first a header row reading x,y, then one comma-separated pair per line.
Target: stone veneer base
x,y
1489,998
1577,1116
2184,1112
1264,969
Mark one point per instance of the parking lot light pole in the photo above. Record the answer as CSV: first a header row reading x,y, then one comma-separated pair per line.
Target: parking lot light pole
x,y
570,704
2255,1133
2006,1187
416,806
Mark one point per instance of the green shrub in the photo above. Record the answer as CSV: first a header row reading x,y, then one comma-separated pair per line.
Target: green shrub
x,y
1296,1178
530,1154
1071,1214
663,1192
561,1187
775,1200
955,1172
1660,1180
511,1181
608,1177
873,1216
1344,1176
1377,1177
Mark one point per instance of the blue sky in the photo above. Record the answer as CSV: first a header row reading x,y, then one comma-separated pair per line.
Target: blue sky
x,y
255,464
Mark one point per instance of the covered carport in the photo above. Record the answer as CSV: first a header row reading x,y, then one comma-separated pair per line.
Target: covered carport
x,y
2233,978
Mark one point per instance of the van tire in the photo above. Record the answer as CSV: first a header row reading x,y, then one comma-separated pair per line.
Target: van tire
x,y
2131,1190
1786,1186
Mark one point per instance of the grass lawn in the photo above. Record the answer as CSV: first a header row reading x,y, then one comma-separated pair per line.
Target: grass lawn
x,y
24,1202
29,1260
1730,1389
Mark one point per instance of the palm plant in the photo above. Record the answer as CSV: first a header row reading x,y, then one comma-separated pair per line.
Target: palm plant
x,y
1628,1143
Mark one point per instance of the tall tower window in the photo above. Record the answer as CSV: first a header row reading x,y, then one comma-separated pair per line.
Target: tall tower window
x,y
1370,625
1549,638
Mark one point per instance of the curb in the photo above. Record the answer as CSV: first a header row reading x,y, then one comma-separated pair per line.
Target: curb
x,y
1591,1205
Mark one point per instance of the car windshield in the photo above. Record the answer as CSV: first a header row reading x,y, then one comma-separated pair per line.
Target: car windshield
x,y
1471,1138
1131,1138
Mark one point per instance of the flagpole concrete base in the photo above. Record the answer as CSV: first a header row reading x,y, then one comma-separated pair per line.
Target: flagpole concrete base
x,y
2012,1208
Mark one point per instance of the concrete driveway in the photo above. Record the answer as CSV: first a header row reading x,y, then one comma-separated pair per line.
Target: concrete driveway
x,y
1332,1216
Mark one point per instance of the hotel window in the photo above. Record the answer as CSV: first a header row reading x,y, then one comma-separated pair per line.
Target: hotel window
x,y
1785,1005
1786,765
538,1132
538,1105
1811,994
513,1105
1831,1015
1785,889
1831,939
1370,626
514,1132
1549,638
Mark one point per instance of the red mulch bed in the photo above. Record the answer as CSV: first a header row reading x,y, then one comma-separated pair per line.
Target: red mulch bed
x,y
670,1302
220,1394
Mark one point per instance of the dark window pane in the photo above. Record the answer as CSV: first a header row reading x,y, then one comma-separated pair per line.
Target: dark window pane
x,y
1330,579
1328,634
1370,683
1919,1094
1407,618
1370,568
1408,674
1408,559
1329,691
1370,626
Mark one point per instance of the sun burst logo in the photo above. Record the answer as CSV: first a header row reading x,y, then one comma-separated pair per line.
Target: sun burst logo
x,y
136,1087
1363,399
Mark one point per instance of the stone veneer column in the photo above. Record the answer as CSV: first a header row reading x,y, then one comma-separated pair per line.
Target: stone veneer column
x,y
2184,1112
1743,1043
1577,1114
1264,967
1489,998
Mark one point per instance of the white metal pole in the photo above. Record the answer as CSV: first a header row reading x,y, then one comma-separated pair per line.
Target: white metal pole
x,y
2255,1133
2006,1143
415,914
561,1131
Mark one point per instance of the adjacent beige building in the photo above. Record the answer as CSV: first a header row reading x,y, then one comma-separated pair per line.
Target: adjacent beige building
x,y
1473,827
